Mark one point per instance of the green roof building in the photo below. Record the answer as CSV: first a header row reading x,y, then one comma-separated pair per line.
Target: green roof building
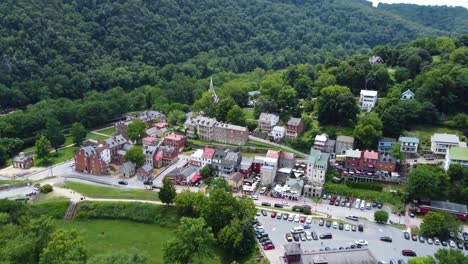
x,y
456,155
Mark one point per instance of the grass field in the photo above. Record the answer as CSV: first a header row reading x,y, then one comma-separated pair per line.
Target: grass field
x,y
96,136
107,192
55,207
249,114
108,131
57,157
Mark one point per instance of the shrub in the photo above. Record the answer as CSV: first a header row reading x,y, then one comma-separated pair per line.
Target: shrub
x,y
365,185
138,212
381,216
297,208
47,188
53,208
306,211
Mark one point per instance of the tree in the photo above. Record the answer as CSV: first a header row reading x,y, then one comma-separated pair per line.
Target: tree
x,y
176,117
193,239
238,238
220,183
381,216
136,130
135,155
422,260
42,148
54,133
207,173
439,224
64,247
397,153
236,116
3,156
337,106
368,130
450,256
223,107
457,172
427,181
46,188
189,203
78,133
167,193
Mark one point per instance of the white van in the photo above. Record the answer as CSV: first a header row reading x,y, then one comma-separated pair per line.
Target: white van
x,y
368,206
335,225
357,204
363,204
296,218
297,229
291,217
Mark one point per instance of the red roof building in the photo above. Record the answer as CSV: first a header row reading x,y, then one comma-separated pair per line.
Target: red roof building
x,y
273,154
149,141
161,125
370,159
177,141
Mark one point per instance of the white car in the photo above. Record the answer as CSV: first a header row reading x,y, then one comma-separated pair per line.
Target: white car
x,y
309,220
296,218
335,225
452,244
254,197
285,204
308,235
346,227
361,242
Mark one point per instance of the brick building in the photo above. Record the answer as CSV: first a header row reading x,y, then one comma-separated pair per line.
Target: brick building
x,y
177,141
89,160
230,134
23,160
295,128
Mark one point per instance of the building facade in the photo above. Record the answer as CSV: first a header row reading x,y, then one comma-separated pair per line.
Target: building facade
x,y
368,99
440,143
295,127
343,143
23,160
267,121
385,145
456,155
408,144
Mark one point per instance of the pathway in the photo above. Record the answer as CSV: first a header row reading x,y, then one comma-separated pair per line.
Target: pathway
x,y
306,156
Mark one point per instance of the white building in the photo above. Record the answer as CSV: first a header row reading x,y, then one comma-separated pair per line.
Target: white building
x,y
267,121
196,157
440,143
407,95
268,170
278,132
317,166
320,142
408,144
368,99
456,155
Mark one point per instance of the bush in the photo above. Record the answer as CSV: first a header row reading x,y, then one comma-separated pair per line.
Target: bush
x,y
382,197
297,208
365,185
47,188
381,216
138,212
306,211
53,208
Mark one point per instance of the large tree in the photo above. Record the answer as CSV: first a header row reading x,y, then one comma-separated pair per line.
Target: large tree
x,y
167,193
238,238
135,155
176,117
368,130
54,133
64,247
223,107
427,181
78,133
236,116
42,148
3,156
136,130
193,239
337,106
190,203
439,224
451,256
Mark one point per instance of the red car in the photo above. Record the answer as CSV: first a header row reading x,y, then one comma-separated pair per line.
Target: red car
x,y
269,247
302,219
273,214
407,252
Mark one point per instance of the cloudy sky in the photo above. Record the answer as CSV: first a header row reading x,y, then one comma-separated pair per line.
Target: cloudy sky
x,y
463,3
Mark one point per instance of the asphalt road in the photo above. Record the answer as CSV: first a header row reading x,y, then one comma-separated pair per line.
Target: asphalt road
x,y
383,251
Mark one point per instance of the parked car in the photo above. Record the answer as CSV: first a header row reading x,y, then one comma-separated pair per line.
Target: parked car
x,y
264,213
307,226
303,236
443,243
314,235
407,235
346,227
361,242
352,217
353,228
269,247
296,237
436,241
328,224
123,182
321,222
147,183
374,204
379,205
386,239
306,206
254,197
465,236
291,217
340,226
273,214
460,245
408,252
266,242
465,245
266,204
308,235
430,241
335,225
309,220
289,237
326,236
302,219
285,216
360,228
263,190
422,239
278,205
297,218
414,237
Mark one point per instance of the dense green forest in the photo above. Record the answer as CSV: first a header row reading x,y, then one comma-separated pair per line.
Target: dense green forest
x,y
451,19
54,49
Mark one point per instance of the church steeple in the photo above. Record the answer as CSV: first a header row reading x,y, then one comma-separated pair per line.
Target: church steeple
x,y
213,92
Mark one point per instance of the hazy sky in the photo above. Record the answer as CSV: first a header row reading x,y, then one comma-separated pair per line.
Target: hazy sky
x,y
463,3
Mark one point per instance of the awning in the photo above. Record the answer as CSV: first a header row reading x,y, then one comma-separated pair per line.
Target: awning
x,y
370,166
195,178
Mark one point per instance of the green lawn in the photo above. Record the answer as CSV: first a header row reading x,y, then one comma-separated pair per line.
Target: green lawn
x,y
248,154
343,131
96,136
62,155
249,113
107,192
68,140
54,207
424,134
108,131
13,181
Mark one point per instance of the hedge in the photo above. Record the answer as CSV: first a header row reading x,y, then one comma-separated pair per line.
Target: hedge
x,y
133,211
365,185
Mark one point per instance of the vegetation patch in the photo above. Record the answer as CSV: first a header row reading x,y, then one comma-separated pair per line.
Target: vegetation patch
x,y
108,131
54,208
107,192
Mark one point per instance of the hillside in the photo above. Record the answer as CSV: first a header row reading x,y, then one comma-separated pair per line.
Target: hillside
x,y
453,20
53,49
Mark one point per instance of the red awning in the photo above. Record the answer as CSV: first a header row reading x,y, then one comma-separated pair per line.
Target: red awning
x,y
370,166
195,178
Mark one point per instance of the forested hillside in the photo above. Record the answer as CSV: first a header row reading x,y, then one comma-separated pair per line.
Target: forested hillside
x,y
451,19
54,48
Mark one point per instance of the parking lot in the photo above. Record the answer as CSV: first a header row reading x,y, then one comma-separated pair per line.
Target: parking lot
x,y
383,251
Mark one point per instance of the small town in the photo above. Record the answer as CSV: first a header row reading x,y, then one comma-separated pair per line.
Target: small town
x,y
233,132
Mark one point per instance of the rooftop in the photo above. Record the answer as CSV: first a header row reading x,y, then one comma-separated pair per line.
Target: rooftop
x,y
236,177
408,139
231,127
267,117
286,155
450,138
198,153
294,121
353,153
345,139
448,206
323,137
345,256
208,153
147,168
371,155
174,137
368,93
273,154
457,153
387,139
149,139
317,158
246,162
128,165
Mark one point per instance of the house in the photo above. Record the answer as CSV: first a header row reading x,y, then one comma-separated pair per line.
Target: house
x,y
177,141
127,169
293,254
295,128
408,144
320,142
407,95
367,99
112,146
23,160
149,141
353,159
385,145
201,126
370,159
245,166
278,132
257,164
286,159
144,173
236,180
155,132
313,189
121,128
330,146
343,143
207,156
230,134
161,125
182,176
148,116
376,60
169,155
150,153
218,157
317,166
386,163
89,160
440,143
267,121
196,158
269,167
293,190
456,155
229,163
